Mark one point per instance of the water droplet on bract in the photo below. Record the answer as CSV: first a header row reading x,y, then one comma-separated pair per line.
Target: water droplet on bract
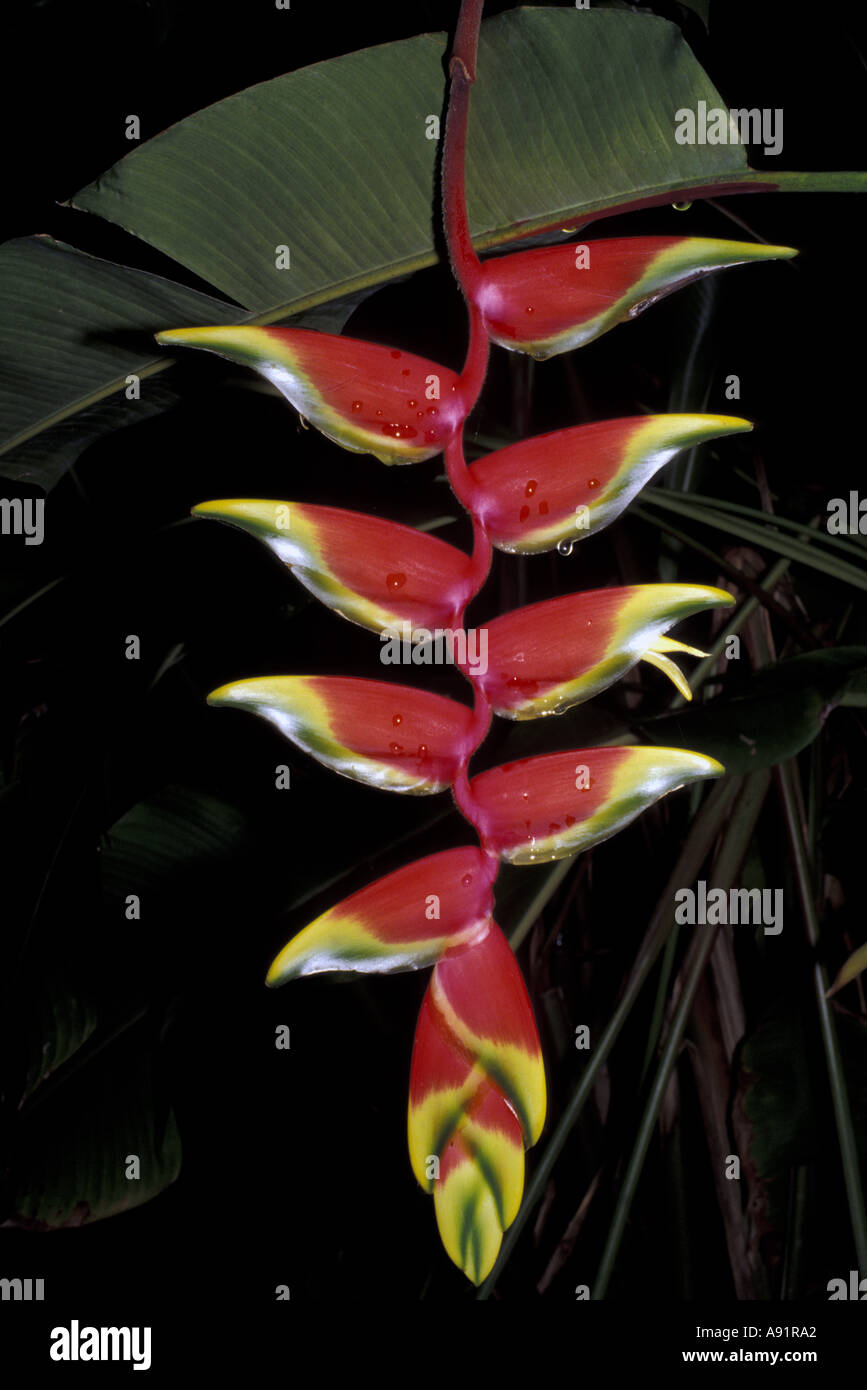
x,y
433,410
529,309
396,719
396,747
357,405
379,412
395,581
565,547
681,207
554,826
395,353
422,750
412,404
570,820
430,436
530,488
543,508
405,372
526,797
592,482
524,513
589,622
467,880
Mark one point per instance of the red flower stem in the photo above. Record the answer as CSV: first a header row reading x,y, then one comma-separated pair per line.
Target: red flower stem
x,y
462,72
468,273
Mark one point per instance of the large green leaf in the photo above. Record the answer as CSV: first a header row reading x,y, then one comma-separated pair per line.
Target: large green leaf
x,y
70,1154
782,711
73,328
572,115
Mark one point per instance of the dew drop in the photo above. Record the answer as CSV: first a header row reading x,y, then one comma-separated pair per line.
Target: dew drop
x,y
555,825
530,488
395,354
395,581
396,719
405,372
398,431
589,622
681,207
433,410
543,508
357,405
570,820
412,404
396,747
529,309
467,880
422,750
419,414
565,547
379,412
592,482
526,796
430,436
525,512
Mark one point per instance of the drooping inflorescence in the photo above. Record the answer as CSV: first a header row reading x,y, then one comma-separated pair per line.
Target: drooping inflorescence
x,y
477,1084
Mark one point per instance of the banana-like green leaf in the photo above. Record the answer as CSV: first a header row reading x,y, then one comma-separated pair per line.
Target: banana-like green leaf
x,y
336,162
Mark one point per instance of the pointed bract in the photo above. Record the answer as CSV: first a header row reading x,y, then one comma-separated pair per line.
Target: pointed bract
x,y
551,655
547,808
389,736
376,573
404,921
477,1097
366,397
563,486
555,298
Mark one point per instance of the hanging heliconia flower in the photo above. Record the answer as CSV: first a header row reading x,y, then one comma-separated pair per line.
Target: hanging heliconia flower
x,y
477,1086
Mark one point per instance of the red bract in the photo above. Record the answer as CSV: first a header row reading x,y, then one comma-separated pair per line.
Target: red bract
x,y
402,922
376,573
368,398
556,298
563,486
390,736
551,655
546,808
476,1097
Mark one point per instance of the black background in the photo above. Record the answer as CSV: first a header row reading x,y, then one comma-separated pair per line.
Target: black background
x,y
294,1168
